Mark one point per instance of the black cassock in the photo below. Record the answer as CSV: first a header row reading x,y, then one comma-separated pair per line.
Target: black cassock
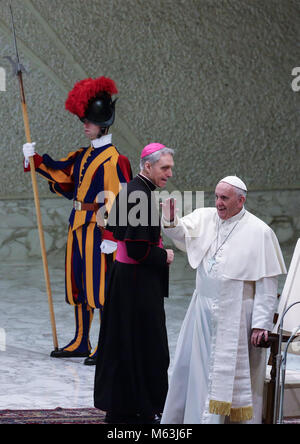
x,y
133,355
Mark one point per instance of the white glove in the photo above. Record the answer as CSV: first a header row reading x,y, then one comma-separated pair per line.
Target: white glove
x,y
108,246
28,151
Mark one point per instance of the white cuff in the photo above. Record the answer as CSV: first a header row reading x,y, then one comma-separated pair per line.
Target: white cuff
x,y
108,246
167,224
265,303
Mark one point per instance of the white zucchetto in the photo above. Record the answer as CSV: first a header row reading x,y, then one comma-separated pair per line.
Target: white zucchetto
x,y
235,181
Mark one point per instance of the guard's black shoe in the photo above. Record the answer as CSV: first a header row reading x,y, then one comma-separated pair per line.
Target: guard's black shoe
x,y
61,353
90,360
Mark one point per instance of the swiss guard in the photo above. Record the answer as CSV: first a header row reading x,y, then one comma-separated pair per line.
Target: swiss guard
x,y
86,176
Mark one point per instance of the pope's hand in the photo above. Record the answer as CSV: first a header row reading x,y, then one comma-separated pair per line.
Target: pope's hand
x,y
28,151
257,335
108,246
169,209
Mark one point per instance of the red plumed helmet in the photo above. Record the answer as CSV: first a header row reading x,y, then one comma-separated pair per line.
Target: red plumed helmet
x,y
91,99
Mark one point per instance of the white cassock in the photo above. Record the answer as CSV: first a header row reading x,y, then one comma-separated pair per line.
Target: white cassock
x,y
216,372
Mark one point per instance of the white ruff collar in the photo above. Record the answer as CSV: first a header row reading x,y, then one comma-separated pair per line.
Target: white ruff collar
x,y
102,141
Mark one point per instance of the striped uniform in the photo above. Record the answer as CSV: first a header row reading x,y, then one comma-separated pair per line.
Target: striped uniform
x,y
81,176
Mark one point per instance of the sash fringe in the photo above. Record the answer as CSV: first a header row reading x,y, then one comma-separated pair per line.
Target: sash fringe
x,y
236,414
219,407
241,414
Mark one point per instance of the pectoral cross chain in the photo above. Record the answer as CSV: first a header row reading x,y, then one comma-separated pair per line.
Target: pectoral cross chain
x,y
212,261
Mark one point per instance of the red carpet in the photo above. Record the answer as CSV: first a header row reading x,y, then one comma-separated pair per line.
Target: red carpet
x,y
55,416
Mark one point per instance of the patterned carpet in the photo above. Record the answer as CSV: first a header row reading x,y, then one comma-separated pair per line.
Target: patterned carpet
x,y
295,420
68,416
55,416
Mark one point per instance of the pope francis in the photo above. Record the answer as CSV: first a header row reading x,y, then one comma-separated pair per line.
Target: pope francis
x,y
218,371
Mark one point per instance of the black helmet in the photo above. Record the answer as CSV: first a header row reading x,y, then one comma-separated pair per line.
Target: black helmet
x,y
90,99
100,110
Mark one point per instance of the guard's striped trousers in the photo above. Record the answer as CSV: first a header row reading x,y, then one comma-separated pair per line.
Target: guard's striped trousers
x,y
86,278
